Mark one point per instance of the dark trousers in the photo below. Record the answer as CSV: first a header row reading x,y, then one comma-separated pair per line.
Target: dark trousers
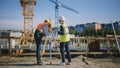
x,y
65,46
38,37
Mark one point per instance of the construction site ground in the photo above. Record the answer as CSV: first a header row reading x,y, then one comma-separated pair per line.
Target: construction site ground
x,y
77,62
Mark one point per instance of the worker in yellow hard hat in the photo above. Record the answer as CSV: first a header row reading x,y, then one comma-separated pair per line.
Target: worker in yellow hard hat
x,y
39,32
49,23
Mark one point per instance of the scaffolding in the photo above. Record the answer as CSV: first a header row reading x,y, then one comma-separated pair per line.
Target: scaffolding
x,y
28,13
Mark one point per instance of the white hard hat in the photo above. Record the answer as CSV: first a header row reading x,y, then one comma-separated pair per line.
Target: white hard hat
x,y
61,18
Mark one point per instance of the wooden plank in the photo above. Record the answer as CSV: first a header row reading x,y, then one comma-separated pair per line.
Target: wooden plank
x,y
72,53
10,37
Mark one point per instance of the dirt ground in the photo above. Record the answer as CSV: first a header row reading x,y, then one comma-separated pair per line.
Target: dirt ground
x,y
77,62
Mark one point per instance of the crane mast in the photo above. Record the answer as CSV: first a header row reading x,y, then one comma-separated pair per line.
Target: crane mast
x,y
57,5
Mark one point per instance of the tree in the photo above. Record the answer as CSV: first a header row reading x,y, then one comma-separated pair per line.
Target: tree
x,y
73,32
100,33
89,32
118,32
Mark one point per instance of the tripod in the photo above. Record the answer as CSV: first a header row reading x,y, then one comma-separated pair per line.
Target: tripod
x,y
51,39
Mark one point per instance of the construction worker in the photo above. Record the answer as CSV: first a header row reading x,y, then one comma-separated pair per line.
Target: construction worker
x,y
64,41
39,32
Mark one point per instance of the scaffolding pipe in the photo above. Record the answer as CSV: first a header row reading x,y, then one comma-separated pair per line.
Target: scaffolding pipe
x,y
116,38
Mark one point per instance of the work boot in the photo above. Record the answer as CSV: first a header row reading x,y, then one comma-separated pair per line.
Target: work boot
x,y
40,63
68,63
62,64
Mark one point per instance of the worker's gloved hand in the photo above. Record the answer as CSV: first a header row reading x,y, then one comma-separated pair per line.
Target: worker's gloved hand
x,y
49,25
59,32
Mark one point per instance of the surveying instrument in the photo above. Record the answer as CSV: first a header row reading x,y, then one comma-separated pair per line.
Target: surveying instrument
x,y
51,40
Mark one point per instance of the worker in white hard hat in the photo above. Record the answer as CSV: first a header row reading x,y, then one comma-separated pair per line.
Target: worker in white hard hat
x,y
64,41
41,30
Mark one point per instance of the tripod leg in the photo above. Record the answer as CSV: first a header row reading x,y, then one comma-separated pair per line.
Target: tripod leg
x,y
43,49
58,51
50,47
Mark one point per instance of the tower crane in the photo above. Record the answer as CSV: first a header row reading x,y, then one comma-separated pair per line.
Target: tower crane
x,y
28,13
57,5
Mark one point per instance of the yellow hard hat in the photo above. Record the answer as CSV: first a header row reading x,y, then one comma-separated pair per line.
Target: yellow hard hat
x,y
47,21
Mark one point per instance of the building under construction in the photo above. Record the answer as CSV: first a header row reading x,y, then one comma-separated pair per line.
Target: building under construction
x,y
18,42
10,43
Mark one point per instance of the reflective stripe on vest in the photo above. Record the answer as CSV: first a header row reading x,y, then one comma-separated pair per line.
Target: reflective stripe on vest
x,y
65,27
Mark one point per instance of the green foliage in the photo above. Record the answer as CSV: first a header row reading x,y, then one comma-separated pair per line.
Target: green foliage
x,y
99,33
73,32
89,32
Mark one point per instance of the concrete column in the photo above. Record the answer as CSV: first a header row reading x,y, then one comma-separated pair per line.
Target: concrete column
x,y
108,43
10,47
0,50
87,50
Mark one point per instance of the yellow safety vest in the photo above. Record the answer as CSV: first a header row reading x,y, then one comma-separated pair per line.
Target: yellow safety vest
x,y
65,37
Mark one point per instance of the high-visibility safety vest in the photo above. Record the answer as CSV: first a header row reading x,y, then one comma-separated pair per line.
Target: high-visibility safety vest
x,y
65,37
